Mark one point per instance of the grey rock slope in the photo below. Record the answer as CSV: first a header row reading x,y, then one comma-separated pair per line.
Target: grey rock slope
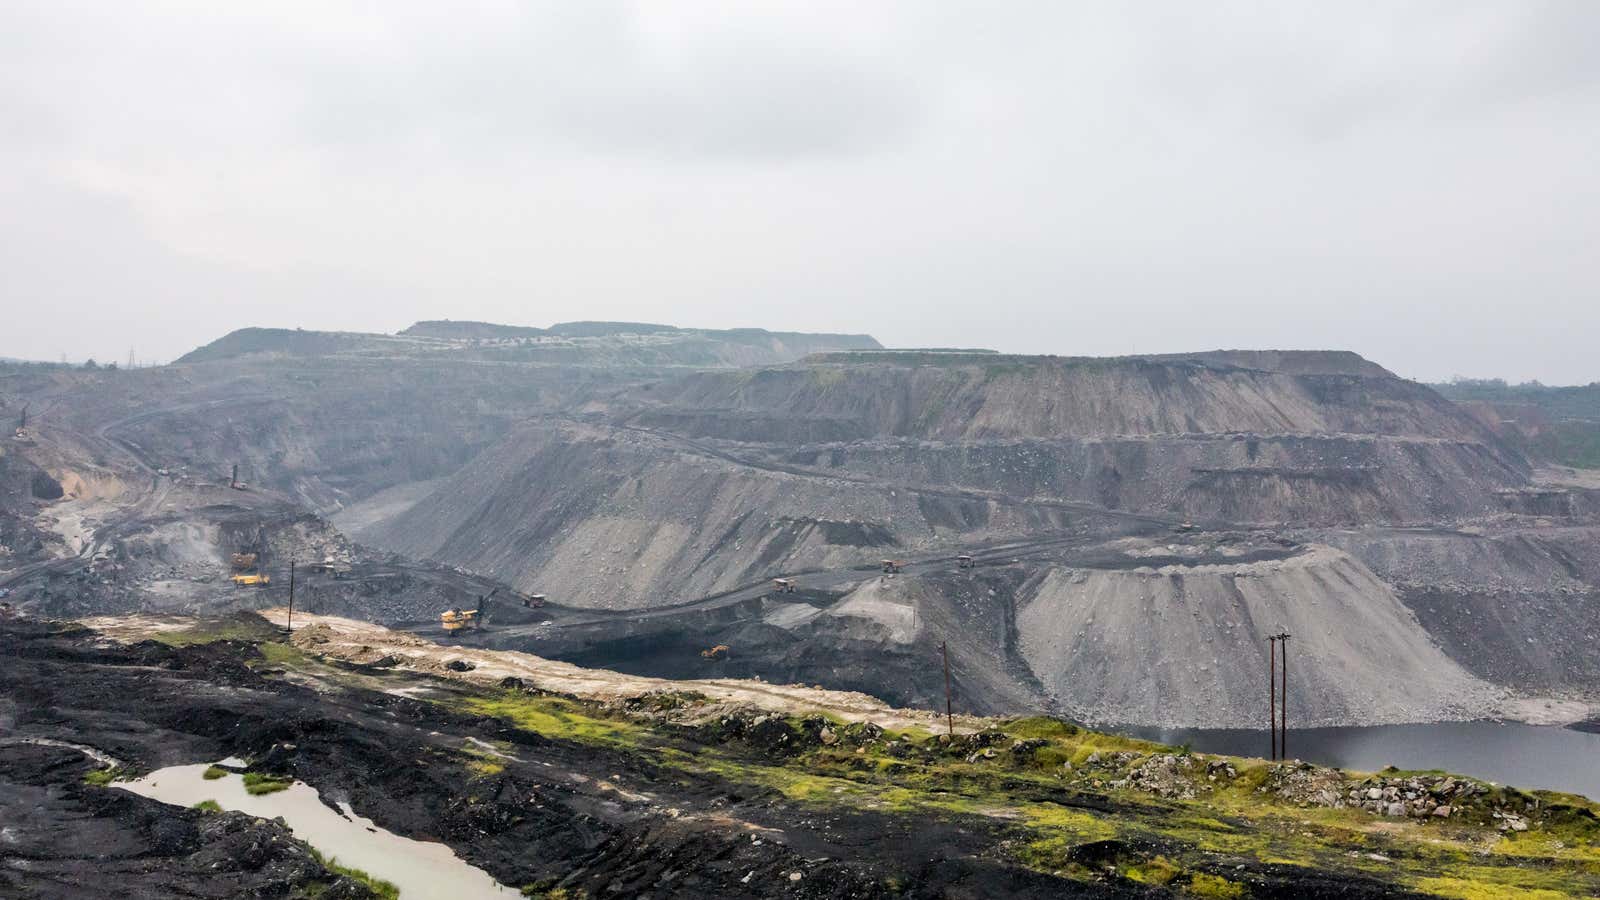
x,y
712,480
1195,631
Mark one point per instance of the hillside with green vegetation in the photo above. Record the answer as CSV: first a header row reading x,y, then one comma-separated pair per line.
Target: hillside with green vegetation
x,y
1556,424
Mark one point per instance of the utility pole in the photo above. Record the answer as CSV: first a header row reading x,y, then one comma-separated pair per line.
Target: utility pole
x,y
290,627
1272,691
949,710
1283,711
233,481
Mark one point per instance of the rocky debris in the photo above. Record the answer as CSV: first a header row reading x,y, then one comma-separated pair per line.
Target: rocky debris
x,y
1177,776
1403,796
1510,821
1417,796
1304,784
460,665
1025,750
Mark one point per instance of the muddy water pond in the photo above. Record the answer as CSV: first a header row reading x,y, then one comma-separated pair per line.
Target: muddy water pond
x,y
420,869
1526,756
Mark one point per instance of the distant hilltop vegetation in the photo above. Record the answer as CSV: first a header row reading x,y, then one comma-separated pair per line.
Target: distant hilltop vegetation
x,y
598,343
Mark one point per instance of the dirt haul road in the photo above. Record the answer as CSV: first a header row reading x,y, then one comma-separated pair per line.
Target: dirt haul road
x,y
365,643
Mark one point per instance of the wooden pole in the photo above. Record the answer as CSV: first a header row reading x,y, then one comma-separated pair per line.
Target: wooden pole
x,y
290,624
1283,710
1272,692
949,709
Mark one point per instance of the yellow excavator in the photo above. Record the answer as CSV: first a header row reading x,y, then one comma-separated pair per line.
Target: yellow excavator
x,y
245,573
455,620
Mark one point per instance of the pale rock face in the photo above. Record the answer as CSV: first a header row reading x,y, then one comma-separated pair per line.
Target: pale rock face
x,y
1148,646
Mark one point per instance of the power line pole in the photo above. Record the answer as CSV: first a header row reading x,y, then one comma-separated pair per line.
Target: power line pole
x,y
1283,711
949,710
290,625
1272,692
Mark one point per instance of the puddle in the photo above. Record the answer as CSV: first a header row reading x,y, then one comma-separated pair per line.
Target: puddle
x,y
420,869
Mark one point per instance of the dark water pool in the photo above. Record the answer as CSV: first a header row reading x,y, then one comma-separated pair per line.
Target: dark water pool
x,y
1527,756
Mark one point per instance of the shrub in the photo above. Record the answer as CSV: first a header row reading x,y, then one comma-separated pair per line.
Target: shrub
x,y
262,783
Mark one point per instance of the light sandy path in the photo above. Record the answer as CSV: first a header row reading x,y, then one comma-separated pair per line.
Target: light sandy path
x,y
363,642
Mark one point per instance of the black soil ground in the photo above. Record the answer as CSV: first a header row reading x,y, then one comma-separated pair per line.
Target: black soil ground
x,y
552,813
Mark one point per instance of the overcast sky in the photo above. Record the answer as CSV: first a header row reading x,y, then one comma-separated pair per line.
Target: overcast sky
x,y
1418,182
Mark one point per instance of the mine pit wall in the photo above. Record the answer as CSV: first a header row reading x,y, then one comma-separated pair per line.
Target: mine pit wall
x,y
615,518
605,518
279,536
1305,479
1181,646
1519,607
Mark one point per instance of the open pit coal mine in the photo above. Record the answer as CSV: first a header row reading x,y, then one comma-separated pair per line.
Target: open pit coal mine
x,y
711,580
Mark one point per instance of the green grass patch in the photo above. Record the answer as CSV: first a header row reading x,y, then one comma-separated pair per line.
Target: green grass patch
x,y
1158,871
262,783
101,777
482,764
1040,727
1461,889
207,806
553,717
212,773
384,889
281,654
247,627
1213,887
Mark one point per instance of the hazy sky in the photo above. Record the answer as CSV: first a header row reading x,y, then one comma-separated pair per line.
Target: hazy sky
x,y
1419,182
